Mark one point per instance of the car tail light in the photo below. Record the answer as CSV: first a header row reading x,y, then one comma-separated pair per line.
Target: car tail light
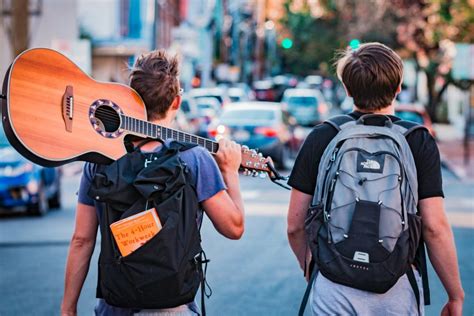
x,y
266,131
323,108
212,132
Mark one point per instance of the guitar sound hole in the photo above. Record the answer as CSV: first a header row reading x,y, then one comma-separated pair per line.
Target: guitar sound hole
x,y
109,119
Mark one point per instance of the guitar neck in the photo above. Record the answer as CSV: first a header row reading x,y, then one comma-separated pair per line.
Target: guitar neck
x,y
157,131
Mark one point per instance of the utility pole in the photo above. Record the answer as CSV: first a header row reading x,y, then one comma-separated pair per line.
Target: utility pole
x,y
19,32
260,38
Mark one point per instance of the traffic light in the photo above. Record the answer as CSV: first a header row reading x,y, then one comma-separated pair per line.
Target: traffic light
x,y
287,43
354,44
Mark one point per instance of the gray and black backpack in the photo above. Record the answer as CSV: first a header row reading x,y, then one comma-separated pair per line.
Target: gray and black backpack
x,y
362,227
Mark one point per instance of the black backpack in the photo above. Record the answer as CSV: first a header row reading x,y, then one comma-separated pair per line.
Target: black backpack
x,y
167,270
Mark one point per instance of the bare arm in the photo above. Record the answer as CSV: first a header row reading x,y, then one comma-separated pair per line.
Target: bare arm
x,y
80,253
299,203
442,251
226,209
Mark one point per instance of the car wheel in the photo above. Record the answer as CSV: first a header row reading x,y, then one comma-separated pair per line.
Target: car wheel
x,y
283,162
55,201
39,208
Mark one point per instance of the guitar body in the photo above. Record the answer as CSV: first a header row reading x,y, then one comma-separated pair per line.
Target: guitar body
x,y
50,114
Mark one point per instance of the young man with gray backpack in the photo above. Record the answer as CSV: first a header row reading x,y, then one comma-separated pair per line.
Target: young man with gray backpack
x,y
366,196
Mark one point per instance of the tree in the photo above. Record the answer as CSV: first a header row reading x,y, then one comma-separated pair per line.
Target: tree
x,y
427,31
424,30
320,29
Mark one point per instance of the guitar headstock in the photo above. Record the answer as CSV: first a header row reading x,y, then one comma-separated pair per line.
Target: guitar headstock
x,y
253,163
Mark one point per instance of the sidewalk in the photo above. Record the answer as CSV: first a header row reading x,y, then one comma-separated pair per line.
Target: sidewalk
x,y
451,146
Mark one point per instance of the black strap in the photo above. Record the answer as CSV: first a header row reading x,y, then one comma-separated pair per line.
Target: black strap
x,y
414,286
424,272
410,126
339,120
202,260
304,301
2,96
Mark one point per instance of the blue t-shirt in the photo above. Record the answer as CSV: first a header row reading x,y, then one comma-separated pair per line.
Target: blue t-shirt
x,y
207,179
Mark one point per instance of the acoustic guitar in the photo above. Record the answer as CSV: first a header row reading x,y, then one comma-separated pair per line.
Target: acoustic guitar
x,y
53,113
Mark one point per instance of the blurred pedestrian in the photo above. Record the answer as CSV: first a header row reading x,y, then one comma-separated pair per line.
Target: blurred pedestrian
x,y
372,76
155,77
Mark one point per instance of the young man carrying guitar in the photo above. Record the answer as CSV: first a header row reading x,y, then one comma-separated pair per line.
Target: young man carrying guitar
x,y
155,77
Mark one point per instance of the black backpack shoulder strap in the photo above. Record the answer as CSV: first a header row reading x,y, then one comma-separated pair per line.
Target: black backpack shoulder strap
x,y
409,126
338,121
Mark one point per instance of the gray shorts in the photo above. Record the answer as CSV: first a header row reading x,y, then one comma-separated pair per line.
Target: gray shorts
x,y
329,298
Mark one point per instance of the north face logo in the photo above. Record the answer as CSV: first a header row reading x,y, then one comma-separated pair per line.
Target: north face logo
x,y
370,164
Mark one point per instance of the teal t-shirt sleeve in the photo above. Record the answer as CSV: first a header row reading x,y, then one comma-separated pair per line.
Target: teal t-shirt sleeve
x,y
86,180
206,174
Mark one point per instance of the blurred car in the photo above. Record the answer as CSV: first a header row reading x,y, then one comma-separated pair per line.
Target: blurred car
x,y
207,110
283,82
314,81
307,106
24,184
264,90
415,113
258,125
218,93
237,94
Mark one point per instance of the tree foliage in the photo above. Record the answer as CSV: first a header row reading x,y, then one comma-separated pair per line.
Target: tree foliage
x,y
424,30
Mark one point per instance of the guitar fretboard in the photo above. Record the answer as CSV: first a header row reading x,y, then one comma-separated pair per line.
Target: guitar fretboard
x,y
156,131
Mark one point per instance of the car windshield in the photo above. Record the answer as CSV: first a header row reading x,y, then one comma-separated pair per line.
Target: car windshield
x,y
205,106
217,97
410,116
302,101
247,115
3,139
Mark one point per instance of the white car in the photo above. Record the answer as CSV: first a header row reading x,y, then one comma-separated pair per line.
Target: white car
x,y
220,94
307,106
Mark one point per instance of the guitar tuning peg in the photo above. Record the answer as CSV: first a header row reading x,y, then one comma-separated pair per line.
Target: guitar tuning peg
x,y
255,173
245,148
260,155
247,172
262,175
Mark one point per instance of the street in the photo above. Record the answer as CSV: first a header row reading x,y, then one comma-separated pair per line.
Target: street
x,y
257,275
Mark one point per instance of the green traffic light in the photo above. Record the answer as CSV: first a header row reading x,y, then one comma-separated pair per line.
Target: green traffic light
x,y
354,44
287,43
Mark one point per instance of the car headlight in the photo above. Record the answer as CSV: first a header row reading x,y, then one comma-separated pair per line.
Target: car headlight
x,y
10,171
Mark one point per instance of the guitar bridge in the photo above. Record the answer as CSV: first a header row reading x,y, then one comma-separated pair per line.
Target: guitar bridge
x,y
68,107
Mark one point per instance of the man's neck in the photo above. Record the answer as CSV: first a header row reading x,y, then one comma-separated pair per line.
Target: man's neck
x,y
152,145
389,110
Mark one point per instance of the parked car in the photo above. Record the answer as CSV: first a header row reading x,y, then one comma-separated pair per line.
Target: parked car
x,y
218,93
264,90
259,125
314,81
207,110
25,185
307,106
415,113
238,94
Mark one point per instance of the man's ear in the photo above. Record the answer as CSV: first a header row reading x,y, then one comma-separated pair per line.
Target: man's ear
x,y
176,103
399,89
